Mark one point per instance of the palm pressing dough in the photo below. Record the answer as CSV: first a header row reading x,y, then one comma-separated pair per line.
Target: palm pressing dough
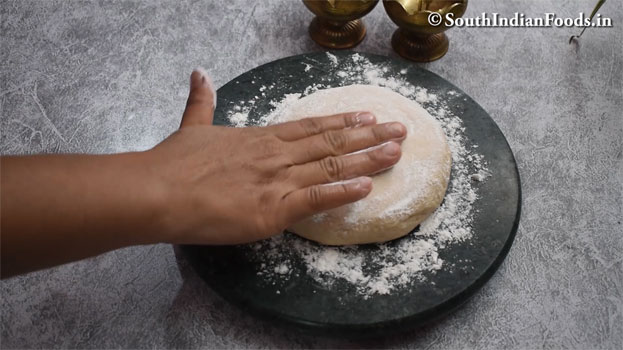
x,y
401,197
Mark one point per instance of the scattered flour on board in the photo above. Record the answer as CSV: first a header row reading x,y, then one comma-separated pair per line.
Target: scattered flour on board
x,y
333,59
379,268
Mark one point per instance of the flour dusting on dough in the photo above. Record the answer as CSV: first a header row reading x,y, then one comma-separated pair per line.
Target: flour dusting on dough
x,y
403,263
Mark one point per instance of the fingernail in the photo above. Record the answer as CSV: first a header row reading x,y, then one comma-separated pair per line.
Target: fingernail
x,y
363,183
204,80
391,149
396,129
365,118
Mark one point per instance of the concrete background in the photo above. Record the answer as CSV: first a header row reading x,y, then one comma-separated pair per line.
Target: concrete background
x,y
112,76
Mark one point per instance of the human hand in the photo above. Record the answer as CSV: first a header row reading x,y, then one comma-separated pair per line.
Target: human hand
x,y
225,185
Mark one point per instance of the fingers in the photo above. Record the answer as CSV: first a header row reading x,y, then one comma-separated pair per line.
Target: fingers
x,y
333,169
299,129
311,200
201,100
339,142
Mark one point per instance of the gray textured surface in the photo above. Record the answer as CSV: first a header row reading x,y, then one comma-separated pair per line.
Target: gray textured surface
x,y
108,77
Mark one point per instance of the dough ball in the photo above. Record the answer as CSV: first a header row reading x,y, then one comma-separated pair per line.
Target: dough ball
x,y
403,196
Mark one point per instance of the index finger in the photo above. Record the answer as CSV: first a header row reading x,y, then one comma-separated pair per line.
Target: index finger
x,y
299,129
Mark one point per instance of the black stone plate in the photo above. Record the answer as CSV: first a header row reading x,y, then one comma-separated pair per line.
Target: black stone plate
x,y
339,310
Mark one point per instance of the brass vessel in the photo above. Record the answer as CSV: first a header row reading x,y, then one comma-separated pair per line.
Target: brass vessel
x,y
338,24
416,38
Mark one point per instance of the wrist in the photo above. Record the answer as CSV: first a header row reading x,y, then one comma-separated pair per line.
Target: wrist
x,y
147,194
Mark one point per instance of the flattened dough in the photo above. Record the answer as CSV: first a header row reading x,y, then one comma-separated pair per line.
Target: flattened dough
x,y
401,197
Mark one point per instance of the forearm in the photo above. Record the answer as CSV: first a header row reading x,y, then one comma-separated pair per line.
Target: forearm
x,y
60,208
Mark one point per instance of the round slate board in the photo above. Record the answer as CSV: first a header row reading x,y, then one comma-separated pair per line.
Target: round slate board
x,y
338,310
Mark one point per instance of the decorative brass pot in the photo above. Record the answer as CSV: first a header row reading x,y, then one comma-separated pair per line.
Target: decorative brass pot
x,y
337,24
416,38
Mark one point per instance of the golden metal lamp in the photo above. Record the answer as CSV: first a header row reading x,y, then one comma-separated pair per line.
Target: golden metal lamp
x,y
338,24
416,38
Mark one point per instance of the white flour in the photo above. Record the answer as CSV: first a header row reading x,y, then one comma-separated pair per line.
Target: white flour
x,y
380,268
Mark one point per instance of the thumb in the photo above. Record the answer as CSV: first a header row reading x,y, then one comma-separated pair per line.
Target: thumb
x,y
201,101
